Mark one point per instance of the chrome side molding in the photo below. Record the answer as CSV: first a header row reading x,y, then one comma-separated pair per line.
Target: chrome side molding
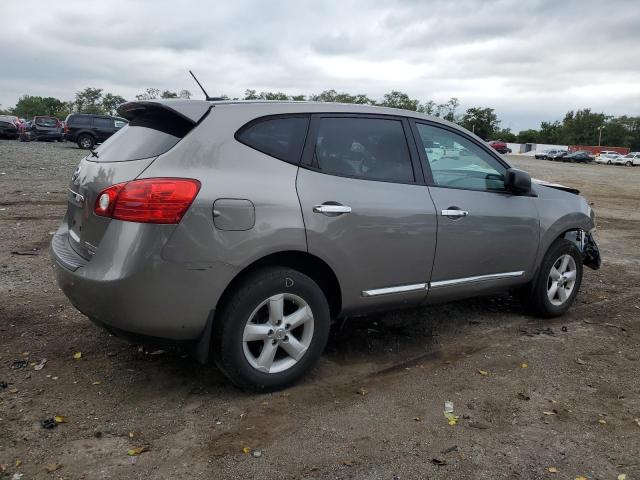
x,y
479,278
399,289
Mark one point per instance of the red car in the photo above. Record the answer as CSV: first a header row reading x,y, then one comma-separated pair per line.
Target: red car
x,y
500,146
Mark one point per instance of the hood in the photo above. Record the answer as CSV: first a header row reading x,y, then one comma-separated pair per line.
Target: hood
x,y
557,186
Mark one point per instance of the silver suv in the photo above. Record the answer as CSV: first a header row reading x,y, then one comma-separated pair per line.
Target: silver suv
x,y
244,228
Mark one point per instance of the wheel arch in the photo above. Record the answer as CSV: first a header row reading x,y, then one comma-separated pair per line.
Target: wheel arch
x,y
312,266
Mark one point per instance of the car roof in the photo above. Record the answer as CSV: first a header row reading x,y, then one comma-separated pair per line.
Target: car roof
x,y
195,109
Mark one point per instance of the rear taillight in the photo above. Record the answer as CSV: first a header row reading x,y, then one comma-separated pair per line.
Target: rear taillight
x,y
151,200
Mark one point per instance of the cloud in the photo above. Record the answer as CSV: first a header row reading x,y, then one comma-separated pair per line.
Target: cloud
x,y
532,61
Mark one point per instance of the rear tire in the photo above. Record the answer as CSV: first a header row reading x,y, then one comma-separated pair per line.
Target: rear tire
x,y
86,142
557,283
628,164
255,342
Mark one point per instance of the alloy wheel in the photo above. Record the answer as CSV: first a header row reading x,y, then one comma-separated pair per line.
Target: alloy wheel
x,y
561,280
278,333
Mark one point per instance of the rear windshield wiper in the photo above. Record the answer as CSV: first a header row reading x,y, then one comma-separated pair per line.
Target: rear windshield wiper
x,y
93,152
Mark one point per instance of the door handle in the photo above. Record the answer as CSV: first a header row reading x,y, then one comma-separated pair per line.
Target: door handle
x,y
332,210
454,212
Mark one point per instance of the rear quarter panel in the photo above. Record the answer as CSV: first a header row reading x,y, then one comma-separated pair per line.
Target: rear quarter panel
x,y
227,169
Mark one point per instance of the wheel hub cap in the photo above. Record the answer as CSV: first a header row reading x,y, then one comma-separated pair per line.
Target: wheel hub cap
x,y
278,333
561,280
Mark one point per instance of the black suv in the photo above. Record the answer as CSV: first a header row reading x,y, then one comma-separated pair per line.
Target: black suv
x,y
88,129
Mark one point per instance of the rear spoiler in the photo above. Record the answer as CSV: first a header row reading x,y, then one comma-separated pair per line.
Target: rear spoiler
x,y
190,110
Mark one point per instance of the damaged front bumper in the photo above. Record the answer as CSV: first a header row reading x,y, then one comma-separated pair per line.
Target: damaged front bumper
x,y
587,246
590,252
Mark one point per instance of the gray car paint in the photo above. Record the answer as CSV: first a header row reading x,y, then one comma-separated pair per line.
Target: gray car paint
x,y
165,280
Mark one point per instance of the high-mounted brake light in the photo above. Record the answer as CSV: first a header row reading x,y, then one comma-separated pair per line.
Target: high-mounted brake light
x,y
150,200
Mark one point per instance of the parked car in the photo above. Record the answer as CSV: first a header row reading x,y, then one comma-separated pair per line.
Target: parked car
x,y
631,159
580,156
8,127
500,146
610,158
46,128
243,228
558,155
87,130
544,154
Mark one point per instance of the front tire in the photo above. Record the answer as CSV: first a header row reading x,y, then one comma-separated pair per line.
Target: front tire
x,y
272,329
558,281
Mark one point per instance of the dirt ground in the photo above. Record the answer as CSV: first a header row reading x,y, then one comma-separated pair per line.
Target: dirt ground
x,y
563,394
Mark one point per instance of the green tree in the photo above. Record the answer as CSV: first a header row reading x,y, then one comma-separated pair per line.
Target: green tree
x,y
89,100
184,94
397,99
482,121
29,106
528,136
168,94
110,103
506,135
551,133
448,110
149,94
342,97
581,127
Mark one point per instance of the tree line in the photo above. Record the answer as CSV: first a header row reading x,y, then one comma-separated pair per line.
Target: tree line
x,y
581,127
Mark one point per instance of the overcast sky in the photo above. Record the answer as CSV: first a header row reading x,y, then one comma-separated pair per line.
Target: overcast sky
x,y
530,60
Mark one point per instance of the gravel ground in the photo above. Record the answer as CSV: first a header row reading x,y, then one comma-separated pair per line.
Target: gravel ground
x,y
563,394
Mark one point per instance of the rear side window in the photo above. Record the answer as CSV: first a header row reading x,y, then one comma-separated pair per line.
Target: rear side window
x,y
367,148
280,137
152,132
103,122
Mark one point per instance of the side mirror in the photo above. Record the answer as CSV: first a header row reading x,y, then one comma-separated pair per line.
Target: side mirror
x,y
517,181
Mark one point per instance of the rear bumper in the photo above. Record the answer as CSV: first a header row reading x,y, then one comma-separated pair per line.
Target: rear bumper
x,y
130,290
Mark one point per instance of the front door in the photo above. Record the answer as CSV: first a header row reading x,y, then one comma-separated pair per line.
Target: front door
x,y
365,210
487,237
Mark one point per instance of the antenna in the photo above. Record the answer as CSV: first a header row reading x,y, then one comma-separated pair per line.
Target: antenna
x,y
206,95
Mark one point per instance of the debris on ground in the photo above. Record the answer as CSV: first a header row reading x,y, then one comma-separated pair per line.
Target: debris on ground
x,y
451,418
347,463
60,419
478,425
52,467
132,452
33,252
246,450
448,406
453,448
523,396
40,365
552,470
530,332
18,364
524,365
484,373
438,461
3,385
158,352
256,453
77,355
580,361
362,391
49,423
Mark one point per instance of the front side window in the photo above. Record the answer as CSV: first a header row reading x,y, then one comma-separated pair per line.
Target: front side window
x,y
457,162
368,148
280,137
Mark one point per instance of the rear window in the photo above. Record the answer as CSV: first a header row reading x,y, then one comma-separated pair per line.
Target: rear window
x,y
280,137
151,133
46,121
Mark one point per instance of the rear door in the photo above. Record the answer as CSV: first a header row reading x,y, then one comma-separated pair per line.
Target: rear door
x,y
487,236
366,209
103,128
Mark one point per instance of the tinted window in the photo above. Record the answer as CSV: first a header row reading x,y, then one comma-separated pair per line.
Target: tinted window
x,y
46,121
103,122
369,148
458,162
79,120
282,138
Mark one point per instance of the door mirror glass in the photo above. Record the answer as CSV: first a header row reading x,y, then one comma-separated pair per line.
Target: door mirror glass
x,y
517,181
